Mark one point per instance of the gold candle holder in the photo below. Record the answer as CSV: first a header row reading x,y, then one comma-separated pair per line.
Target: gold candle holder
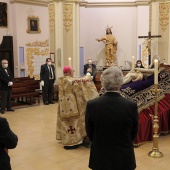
x,y
155,153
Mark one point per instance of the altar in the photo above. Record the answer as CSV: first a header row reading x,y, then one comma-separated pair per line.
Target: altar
x,y
97,78
141,92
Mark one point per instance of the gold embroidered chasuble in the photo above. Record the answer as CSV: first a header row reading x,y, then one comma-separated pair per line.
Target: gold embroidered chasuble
x,y
73,96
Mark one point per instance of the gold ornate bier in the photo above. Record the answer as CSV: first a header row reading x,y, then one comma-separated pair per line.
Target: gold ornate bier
x,y
155,153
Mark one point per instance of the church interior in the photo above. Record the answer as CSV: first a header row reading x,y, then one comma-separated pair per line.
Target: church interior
x,y
67,31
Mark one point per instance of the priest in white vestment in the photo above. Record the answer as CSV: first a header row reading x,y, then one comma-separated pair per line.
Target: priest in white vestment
x,y
73,96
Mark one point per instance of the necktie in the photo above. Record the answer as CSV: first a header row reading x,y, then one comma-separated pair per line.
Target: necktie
x,y
50,72
6,71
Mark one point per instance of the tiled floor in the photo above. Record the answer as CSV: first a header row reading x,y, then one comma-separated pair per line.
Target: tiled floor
x,y
38,149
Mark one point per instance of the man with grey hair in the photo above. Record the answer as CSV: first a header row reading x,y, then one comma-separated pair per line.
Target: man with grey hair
x,y
111,125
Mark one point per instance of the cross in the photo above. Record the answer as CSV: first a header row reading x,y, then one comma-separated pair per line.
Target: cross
x,y
148,39
71,129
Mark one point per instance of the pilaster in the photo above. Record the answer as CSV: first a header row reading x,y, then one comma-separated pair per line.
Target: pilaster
x,y
160,26
71,34
164,44
64,34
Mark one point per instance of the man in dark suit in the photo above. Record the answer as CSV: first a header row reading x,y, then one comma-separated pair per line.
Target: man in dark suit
x,y
90,68
47,77
111,125
6,83
8,140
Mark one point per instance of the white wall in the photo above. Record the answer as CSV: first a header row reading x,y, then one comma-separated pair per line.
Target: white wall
x,y
143,29
124,22
21,25
17,19
22,13
127,23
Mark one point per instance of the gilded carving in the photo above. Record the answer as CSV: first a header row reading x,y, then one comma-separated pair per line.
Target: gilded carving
x,y
51,9
38,44
164,15
145,53
31,54
67,16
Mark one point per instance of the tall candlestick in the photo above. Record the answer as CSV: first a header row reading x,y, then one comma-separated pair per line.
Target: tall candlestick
x,y
69,61
156,72
133,62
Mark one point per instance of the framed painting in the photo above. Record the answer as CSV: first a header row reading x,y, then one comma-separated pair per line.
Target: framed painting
x,y
3,14
33,25
52,56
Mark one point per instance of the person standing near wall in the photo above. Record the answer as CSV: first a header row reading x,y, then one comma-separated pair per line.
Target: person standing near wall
x,y
47,78
90,68
6,83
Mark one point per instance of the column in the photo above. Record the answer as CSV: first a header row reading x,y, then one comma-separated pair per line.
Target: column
x,y
160,26
64,33
71,34
163,42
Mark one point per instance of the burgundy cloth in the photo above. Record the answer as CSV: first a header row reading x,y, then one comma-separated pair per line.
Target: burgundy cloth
x,y
145,127
141,92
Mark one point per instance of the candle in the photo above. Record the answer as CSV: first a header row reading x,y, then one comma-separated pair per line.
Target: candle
x,y
156,72
69,61
133,62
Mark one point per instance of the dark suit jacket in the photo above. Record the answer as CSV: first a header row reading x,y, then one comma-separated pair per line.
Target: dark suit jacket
x,y
111,124
86,66
5,79
8,140
44,73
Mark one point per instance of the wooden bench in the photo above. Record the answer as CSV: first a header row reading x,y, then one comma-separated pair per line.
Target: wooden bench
x,y
56,92
26,89
22,79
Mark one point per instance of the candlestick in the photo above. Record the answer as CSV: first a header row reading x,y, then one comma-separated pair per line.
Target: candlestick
x,y
156,72
133,62
69,61
155,153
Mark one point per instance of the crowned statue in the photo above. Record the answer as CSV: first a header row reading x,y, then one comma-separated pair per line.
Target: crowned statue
x,y
110,46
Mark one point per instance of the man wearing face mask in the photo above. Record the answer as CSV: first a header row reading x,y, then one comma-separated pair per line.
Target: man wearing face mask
x,y
90,68
6,83
47,77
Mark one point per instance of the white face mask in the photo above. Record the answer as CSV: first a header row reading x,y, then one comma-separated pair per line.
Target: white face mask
x,y
49,63
138,65
5,65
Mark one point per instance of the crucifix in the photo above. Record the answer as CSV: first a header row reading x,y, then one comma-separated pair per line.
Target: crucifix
x,y
148,39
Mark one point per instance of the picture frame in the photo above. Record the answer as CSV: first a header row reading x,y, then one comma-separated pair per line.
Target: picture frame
x,y
52,56
3,14
33,25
